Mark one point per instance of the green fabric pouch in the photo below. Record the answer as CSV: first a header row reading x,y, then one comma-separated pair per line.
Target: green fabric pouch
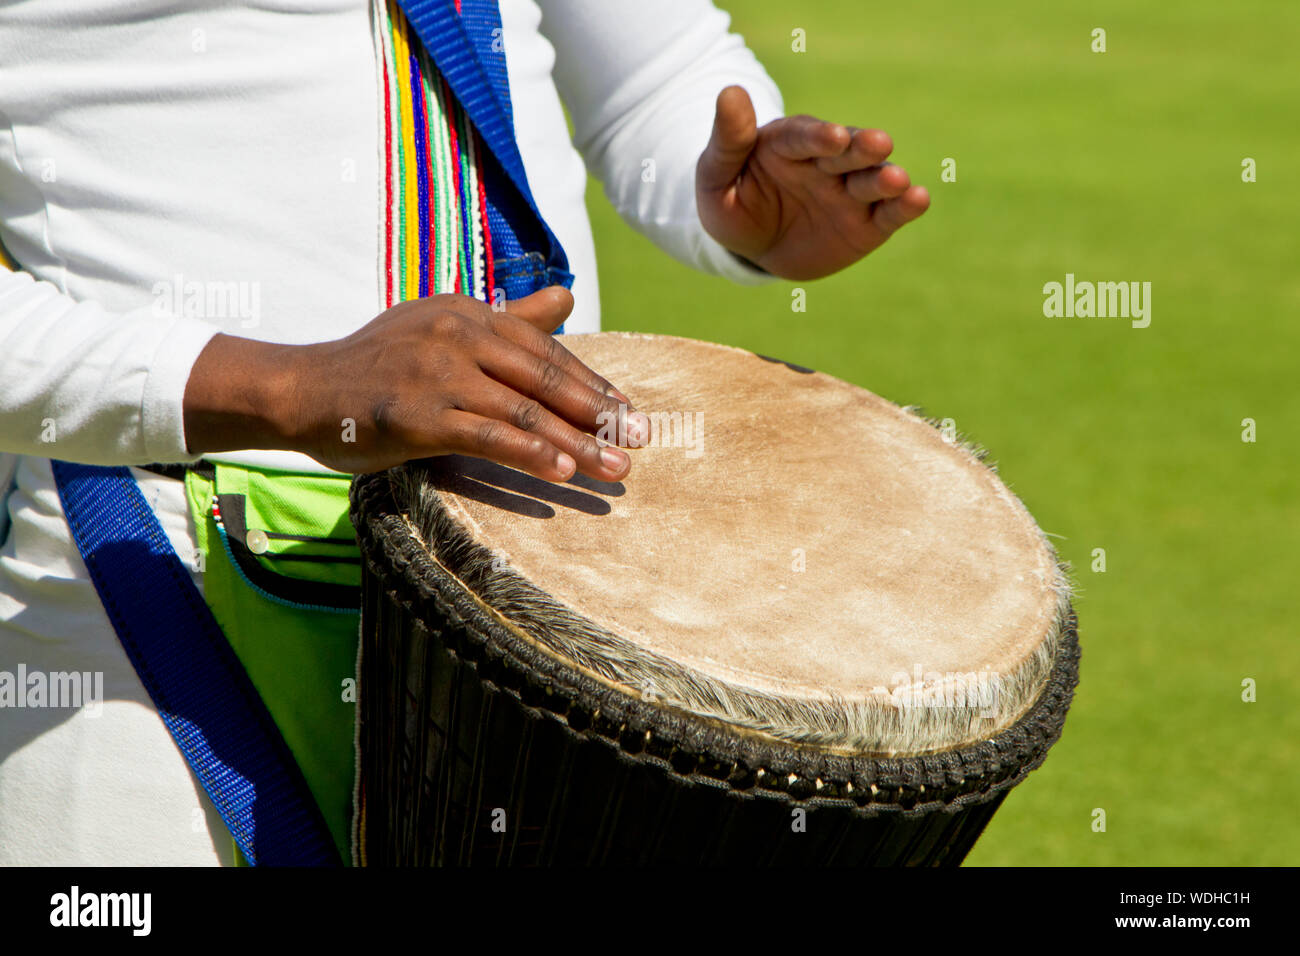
x,y
282,574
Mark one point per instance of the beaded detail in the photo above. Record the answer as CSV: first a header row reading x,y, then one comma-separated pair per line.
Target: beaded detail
x,y
434,235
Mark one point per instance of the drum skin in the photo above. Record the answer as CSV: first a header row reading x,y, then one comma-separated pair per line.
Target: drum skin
x,y
486,739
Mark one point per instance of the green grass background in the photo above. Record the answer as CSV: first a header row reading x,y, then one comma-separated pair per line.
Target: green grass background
x,y
1117,166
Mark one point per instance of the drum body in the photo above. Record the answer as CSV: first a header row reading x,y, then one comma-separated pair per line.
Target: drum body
x,y
516,709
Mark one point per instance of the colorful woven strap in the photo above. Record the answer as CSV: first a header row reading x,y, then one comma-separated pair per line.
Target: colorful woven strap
x,y
464,39
436,236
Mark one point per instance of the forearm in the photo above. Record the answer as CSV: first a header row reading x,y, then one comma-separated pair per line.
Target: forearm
x,y
241,395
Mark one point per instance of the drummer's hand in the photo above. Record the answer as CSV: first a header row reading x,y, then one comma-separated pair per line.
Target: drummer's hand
x,y
441,375
801,198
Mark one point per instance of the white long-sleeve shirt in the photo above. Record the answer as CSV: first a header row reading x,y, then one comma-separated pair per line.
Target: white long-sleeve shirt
x,y
147,145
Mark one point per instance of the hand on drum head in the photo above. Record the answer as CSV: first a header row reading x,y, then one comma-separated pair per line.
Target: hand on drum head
x,y
441,375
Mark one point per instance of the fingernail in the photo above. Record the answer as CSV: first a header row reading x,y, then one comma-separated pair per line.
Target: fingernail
x,y
638,429
615,393
613,459
566,465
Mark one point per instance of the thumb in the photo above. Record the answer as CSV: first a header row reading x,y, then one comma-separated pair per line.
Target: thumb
x,y
735,130
545,309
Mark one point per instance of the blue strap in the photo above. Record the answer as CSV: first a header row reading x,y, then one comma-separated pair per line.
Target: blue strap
x,y
196,681
468,49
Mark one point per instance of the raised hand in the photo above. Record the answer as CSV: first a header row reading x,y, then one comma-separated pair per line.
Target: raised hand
x,y
802,198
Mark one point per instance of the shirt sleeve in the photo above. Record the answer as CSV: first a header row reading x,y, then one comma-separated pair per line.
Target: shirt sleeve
x,y
81,383
640,81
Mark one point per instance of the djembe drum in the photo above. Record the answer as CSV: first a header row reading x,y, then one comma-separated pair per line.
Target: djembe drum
x,y
809,628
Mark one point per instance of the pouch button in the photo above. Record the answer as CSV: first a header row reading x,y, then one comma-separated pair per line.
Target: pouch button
x,y
257,541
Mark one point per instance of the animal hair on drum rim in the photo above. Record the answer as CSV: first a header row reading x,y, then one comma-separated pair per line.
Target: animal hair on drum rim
x,y
873,725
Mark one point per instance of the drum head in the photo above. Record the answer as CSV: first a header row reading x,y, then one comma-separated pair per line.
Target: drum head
x,y
791,555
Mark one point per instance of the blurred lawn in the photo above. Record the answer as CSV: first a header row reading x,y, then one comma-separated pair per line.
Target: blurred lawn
x,y
1117,166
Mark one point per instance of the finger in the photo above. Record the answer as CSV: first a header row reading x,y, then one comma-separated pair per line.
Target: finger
x,y
545,310
889,215
551,349
877,183
735,131
800,138
547,382
594,458
469,434
867,147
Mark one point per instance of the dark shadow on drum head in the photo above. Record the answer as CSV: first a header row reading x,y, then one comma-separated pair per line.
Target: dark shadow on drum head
x,y
495,497
610,489
790,365
515,491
